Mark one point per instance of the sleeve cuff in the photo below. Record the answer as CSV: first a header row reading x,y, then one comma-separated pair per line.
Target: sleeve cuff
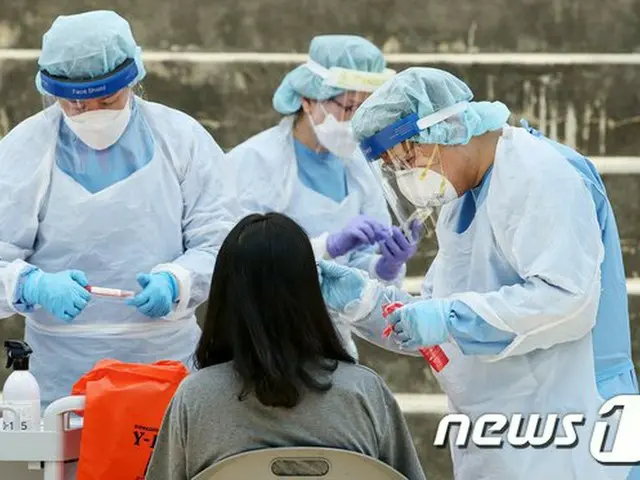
x,y
182,276
472,334
175,291
319,246
13,278
362,307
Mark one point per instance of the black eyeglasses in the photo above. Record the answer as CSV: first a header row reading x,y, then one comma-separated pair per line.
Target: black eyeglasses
x,y
349,109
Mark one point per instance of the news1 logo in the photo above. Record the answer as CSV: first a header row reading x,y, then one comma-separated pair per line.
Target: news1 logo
x,y
523,431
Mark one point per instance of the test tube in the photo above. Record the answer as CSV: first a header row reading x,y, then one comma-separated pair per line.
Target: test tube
x,y
109,292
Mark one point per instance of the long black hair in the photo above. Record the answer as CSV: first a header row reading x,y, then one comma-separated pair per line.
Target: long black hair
x,y
266,313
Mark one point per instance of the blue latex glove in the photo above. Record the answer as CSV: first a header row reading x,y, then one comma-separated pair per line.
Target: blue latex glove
x,y
421,324
361,231
340,285
61,294
395,251
159,291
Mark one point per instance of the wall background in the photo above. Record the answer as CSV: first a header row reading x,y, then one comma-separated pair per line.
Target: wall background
x,y
589,104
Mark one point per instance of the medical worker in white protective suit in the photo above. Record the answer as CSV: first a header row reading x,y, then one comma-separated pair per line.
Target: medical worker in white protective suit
x,y
310,168
103,188
513,293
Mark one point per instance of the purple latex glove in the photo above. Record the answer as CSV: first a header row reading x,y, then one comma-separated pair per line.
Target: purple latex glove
x,y
395,251
361,231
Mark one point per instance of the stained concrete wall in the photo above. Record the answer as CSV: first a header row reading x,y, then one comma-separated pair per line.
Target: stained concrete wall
x,y
412,26
591,107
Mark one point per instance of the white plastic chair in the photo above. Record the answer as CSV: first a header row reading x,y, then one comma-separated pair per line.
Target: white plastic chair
x,y
305,463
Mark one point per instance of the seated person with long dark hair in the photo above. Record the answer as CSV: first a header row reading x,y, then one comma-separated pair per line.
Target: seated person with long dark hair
x,y
272,371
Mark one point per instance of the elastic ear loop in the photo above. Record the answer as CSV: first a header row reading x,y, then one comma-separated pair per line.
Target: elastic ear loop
x,y
426,122
430,162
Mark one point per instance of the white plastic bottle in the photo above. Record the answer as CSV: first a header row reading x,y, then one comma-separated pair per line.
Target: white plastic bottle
x,y
21,390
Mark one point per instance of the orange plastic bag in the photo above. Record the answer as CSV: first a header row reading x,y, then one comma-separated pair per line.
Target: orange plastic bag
x,y
125,403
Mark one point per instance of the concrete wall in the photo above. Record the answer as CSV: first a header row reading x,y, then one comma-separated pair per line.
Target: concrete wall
x,y
412,26
592,107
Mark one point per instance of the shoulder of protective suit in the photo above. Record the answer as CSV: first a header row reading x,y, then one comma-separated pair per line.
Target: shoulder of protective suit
x,y
266,144
181,135
169,122
262,170
528,171
28,142
528,163
266,151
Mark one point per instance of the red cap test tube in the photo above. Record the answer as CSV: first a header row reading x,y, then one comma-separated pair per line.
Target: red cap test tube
x,y
434,355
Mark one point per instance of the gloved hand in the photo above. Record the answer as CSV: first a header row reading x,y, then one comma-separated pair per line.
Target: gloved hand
x,y
61,294
421,324
396,250
159,292
361,231
340,285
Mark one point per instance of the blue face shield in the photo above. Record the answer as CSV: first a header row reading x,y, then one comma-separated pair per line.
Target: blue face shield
x,y
90,88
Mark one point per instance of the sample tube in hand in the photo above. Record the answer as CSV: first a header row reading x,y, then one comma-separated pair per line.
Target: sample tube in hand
x,y
109,292
434,355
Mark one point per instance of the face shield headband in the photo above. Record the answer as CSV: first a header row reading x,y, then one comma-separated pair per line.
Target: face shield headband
x,y
374,146
347,79
89,88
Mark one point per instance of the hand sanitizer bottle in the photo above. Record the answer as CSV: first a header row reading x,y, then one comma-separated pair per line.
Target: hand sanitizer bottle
x,y
21,390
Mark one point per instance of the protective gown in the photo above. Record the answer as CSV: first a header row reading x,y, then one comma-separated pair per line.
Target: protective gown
x,y
529,265
169,215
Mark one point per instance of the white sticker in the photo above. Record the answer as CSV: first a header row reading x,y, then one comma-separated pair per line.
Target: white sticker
x,y
25,409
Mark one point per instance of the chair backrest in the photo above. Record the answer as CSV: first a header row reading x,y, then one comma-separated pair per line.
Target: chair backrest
x,y
301,463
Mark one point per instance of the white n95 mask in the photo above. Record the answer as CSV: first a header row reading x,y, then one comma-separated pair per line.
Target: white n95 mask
x,y
336,136
100,129
425,190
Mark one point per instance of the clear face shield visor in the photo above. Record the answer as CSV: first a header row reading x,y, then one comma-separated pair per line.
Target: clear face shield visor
x,y
413,177
344,91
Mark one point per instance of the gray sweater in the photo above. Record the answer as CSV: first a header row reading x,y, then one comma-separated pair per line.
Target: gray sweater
x,y
206,422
